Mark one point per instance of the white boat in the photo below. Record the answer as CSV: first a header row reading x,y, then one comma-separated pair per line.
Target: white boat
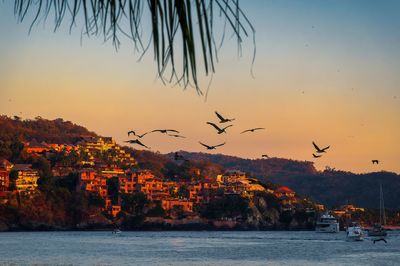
x,y
327,224
116,231
354,233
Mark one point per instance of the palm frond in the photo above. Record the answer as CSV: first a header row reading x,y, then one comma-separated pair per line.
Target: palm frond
x,y
177,28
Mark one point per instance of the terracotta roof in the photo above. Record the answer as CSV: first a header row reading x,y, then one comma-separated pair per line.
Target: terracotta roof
x,y
284,190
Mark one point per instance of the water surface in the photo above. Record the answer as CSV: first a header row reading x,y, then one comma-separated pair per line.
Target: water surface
x,y
194,248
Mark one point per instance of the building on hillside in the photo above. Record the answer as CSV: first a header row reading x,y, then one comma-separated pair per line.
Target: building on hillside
x,y
62,147
27,178
36,147
90,181
284,191
5,165
93,144
5,168
4,180
112,171
170,204
231,176
115,209
347,210
287,197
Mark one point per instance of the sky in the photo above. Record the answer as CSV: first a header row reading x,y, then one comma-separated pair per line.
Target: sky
x,y
325,71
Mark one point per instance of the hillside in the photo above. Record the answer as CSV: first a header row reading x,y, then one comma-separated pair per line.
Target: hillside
x,y
330,187
14,130
51,131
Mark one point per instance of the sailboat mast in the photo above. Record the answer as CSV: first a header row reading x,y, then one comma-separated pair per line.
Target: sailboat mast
x,y
383,207
382,216
380,204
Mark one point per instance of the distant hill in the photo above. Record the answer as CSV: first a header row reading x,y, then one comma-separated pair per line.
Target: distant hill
x,y
330,187
40,129
15,130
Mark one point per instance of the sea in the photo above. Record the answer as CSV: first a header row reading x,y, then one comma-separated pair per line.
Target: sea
x,y
194,248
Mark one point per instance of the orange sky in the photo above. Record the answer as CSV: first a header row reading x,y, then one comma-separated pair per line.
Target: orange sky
x,y
349,77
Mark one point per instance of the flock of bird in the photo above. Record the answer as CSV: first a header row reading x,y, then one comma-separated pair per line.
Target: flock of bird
x,y
175,133
318,150
220,129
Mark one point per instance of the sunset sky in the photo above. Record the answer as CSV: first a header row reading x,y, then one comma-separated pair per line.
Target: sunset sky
x,y
327,71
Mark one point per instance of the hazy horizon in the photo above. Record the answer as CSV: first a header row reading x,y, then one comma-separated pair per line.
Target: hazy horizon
x,y
325,71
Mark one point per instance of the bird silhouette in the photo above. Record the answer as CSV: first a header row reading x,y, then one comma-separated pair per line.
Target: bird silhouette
x,y
165,131
265,156
176,136
223,119
137,135
316,156
319,150
375,161
136,141
252,129
141,136
208,147
220,130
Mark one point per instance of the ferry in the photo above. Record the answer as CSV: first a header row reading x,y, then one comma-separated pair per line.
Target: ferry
x,y
327,224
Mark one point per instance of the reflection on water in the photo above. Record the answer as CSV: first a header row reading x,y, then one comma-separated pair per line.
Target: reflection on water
x,y
194,248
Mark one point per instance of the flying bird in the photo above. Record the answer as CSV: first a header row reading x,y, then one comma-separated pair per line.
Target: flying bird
x,y
165,131
316,156
208,147
141,136
319,150
136,141
265,156
223,119
176,136
137,135
375,161
220,130
252,130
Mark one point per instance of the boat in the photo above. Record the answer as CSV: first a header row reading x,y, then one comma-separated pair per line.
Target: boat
x,y
378,230
116,231
327,224
354,233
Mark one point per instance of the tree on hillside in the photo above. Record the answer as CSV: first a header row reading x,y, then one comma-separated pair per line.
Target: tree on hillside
x,y
181,32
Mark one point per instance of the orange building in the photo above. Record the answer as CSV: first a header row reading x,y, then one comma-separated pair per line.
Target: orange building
x,y
90,181
5,168
185,205
115,209
5,165
4,180
284,191
36,147
286,195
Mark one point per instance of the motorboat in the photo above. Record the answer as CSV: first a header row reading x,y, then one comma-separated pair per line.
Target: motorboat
x,y
354,233
327,224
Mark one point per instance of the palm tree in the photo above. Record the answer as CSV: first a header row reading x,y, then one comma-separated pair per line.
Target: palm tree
x,y
189,22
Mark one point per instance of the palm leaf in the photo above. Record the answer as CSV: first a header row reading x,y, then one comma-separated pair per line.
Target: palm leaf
x,y
170,20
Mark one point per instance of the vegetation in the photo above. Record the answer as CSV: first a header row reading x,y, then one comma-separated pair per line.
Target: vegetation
x,y
229,206
177,26
58,204
331,187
